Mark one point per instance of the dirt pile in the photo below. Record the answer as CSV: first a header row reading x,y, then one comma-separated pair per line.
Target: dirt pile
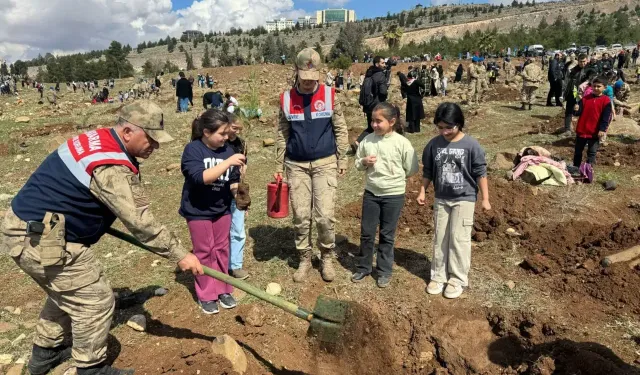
x,y
620,154
571,253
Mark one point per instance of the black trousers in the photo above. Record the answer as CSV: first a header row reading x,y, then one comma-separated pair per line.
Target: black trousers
x,y
368,130
593,145
555,90
413,126
570,102
384,211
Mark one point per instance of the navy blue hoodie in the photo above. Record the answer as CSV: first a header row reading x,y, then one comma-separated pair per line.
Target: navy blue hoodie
x,y
200,201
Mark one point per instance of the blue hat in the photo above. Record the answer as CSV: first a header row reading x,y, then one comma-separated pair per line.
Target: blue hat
x,y
475,59
481,59
618,84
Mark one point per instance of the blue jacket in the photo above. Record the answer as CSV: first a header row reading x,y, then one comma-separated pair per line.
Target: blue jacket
x,y
311,135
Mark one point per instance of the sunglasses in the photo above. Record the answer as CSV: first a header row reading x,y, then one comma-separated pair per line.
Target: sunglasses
x,y
449,127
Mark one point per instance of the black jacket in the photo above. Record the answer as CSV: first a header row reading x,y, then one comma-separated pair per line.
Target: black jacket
x,y
555,71
184,88
415,108
379,85
577,76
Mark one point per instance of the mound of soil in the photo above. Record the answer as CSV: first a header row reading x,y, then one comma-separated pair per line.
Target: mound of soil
x,y
48,130
500,92
572,253
626,154
548,124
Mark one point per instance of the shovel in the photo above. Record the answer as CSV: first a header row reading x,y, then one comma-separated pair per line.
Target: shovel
x,y
326,320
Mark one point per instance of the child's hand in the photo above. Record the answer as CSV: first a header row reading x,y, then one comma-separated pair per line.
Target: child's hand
x,y
486,206
369,161
421,198
601,134
237,160
576,108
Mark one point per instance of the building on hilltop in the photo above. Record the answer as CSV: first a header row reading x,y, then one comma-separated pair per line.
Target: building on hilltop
x,y
335,15
308,21
280,24
192,34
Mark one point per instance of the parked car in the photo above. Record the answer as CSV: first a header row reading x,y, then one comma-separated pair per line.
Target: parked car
x,y
601,49
616,47
535,50
629,46
584,49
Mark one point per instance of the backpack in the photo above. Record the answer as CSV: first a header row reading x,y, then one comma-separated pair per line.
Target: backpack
x,y
367,95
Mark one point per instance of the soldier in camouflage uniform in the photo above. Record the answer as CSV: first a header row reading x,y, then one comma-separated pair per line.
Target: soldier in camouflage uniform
x,y
69,202
622,92
311,146
507,67
531,80
475,77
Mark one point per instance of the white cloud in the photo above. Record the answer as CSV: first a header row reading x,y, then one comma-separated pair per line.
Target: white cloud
x,y
30,27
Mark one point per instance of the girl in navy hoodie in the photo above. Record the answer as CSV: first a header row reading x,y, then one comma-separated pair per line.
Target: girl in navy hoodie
x,y
212,171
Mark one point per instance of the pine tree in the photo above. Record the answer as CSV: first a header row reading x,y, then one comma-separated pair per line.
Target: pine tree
x,y
206,61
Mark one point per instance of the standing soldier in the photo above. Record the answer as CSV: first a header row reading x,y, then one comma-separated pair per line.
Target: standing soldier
x,y
508,70
474,80
484,78
531,80
311,147
66,206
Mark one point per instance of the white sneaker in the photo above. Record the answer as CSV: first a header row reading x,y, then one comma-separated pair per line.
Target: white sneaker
x,y
453,291
435,287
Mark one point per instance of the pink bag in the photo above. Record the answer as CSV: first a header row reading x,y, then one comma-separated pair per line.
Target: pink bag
x,y
586,170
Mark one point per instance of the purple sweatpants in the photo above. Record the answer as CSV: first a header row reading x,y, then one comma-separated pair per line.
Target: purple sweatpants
x,y
210,240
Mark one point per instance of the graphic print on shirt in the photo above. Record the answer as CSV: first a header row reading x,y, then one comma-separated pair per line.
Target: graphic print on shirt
x,y
224,178
449,162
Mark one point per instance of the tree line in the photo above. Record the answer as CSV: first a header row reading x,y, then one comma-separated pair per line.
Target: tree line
x,y
588,29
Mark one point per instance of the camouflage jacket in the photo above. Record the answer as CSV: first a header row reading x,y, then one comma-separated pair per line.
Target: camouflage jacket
x,y
532,75
118,188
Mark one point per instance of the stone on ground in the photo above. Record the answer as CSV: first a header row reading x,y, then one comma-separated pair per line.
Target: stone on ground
x,y
273,289
172,167
16,370
228,348
502,161
6,359
23,119
268,142
255,317
7,327
138,322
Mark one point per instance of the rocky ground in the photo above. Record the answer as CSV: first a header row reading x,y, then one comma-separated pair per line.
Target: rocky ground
x,y
539,301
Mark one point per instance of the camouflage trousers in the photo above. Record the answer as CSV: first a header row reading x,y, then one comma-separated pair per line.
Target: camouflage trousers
x,y
79,301
528,94
312,195
475,91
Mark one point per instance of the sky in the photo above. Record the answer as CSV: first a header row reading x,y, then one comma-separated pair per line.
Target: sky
x,y
32,27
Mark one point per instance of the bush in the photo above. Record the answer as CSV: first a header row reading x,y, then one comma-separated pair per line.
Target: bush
x,y
342,62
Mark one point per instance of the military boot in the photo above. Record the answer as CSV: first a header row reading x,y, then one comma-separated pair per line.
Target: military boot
x,y
44,360
303,268
103,369
530,106
327,271
523,107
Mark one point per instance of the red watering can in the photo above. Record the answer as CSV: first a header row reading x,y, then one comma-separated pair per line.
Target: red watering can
x,y
278,199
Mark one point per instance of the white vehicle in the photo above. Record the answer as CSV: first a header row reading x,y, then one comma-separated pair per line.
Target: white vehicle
x,y
616,47
630,46
536,49
600,49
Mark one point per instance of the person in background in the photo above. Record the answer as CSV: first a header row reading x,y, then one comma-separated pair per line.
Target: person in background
x,y
577,75
388,159
555,81
377,91
238,234
231,103
415,108
184,91
212,100
531,80
594,111
211,171
455,163
459,73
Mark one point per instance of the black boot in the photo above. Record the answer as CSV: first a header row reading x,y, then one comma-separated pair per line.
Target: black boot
x,y
44,360
523,107
103,369
530,106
